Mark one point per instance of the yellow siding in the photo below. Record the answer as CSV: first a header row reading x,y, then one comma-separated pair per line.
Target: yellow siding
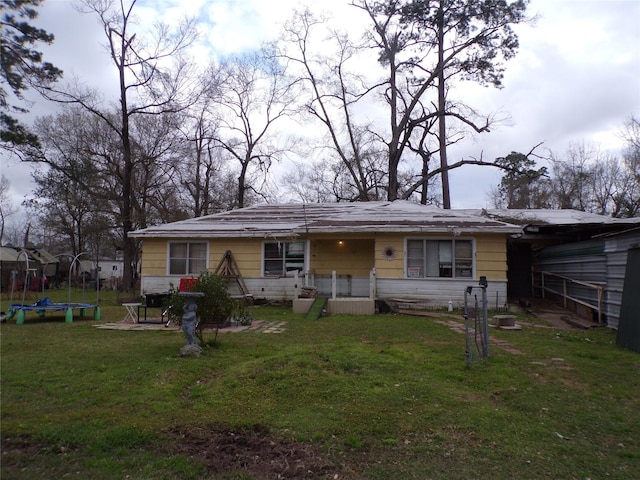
x,y
387,267
247,253
154,256
491,256
354,256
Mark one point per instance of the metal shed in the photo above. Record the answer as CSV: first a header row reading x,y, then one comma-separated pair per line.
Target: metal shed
x,y
590,273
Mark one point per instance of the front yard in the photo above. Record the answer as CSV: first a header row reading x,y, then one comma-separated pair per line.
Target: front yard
x,y
345,397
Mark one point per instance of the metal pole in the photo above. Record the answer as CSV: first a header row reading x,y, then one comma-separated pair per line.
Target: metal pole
x,y
485,323
467,352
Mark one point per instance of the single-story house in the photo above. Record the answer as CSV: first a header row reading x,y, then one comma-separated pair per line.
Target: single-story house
x,y
108,269
353,253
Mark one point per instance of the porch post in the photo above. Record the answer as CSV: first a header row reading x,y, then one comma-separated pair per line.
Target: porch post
x,y
372,284
334,285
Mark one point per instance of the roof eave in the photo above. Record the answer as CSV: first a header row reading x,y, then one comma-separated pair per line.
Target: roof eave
x,y
455,230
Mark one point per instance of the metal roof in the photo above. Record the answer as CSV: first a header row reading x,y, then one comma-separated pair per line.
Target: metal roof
x,y
278,220
10,254
543,216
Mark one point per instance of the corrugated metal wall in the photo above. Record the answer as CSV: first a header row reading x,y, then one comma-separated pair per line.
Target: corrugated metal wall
x,y
601,261
585,261
616,249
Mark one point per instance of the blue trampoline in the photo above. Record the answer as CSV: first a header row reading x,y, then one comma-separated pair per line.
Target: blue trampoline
x,y
45,304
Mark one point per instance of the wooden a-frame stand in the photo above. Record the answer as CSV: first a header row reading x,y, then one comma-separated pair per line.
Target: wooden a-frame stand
x,y
228,269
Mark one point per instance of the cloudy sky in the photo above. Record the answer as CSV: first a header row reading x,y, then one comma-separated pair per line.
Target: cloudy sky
x,y
576,78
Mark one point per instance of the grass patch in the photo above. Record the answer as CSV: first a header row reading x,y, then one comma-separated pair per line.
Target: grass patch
x,y
386,396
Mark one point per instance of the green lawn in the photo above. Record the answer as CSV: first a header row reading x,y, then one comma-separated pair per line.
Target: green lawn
x,y
381,397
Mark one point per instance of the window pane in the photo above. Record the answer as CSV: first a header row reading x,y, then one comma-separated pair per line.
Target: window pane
x,y
178,250
177,266
197,250
272,250
463,249
445,252
177,259
273,267
197,258
295,249
415,259
464,259
295,258
197,266
433,264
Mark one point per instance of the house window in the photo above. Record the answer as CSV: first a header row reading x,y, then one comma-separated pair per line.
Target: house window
x,y
283,258
439,258
187,258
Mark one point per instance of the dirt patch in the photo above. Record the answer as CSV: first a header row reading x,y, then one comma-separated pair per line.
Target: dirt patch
x,y
252,450
20,445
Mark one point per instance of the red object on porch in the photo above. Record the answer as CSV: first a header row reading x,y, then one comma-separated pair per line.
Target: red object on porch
x,y
187,284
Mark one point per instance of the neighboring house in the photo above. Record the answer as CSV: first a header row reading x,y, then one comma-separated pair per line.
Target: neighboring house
x,y
353,253
110,271
28,264
12,264
572,255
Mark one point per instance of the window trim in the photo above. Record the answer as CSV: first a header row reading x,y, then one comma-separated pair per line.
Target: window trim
x,y
305,260
187,242
453,260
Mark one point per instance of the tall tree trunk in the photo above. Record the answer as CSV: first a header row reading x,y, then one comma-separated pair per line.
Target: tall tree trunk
x,y
392,194
424,195
242,179
128,252
442,124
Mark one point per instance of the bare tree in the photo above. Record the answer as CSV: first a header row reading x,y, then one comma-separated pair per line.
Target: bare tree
x,y
423,46
605,176
592,180
573,178
153,79
253,96
627,200
207,182
333,95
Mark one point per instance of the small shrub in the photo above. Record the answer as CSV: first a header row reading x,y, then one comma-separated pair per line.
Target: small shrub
x,y
214,308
